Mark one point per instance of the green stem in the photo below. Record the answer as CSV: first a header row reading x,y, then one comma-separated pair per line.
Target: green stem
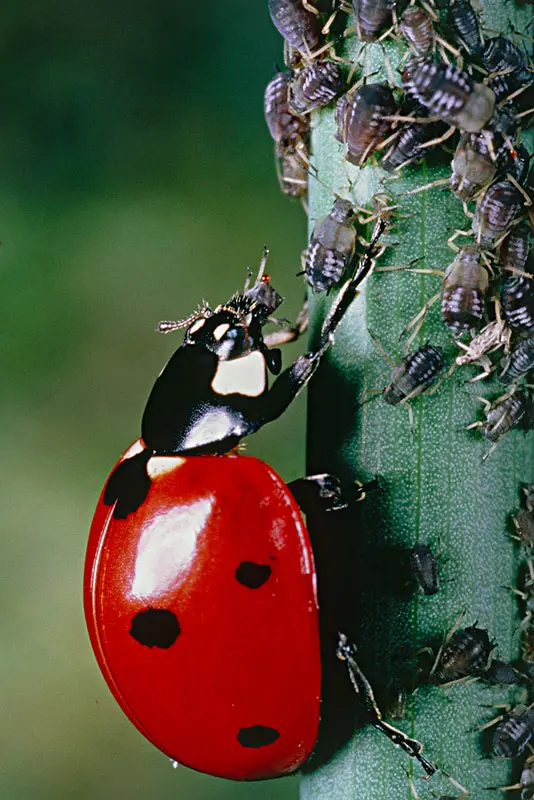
x,y
435,489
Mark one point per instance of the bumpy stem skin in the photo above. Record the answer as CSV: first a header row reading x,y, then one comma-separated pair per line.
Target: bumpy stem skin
x,y
435,489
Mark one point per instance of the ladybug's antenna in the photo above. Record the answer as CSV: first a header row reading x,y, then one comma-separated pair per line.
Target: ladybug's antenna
x,y
170,325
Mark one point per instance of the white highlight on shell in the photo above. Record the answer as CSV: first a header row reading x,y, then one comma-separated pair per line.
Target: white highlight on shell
x,y
245,375
167,548
214,426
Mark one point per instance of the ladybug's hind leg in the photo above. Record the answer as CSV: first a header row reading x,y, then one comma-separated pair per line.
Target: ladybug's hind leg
x,y
346,651
128,485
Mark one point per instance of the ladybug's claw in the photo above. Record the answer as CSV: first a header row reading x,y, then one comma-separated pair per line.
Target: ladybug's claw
x,y
346,651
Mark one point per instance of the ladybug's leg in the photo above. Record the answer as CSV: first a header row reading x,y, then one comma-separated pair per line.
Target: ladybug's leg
x,y
128,485
288,385
324,493
318,493
347,652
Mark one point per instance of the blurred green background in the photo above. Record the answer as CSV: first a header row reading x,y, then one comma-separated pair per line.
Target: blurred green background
x,y
136,177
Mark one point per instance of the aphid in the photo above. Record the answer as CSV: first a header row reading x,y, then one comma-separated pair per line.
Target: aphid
x,y
331,247
515,164
524,525
414,374
408,145
464,290
315,86
449,93
512,253
472,166
514,733
361,120
296,23
520,361
286,128
502,55
464,20
425,569
372,17
496,210
417,27
467,653
292,174
527,780
504,414
494,335
517,298
528,491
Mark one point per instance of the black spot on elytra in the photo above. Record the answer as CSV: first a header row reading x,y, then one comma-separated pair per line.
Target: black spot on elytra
x,y
252,575
257,736
155,627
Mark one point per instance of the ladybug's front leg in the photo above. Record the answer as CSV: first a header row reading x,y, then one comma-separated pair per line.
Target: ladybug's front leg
x,y
291,382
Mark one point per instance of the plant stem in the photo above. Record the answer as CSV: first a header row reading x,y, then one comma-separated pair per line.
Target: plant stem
x,y
435,488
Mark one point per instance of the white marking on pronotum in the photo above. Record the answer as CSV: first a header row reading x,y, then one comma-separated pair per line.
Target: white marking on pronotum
x,y
245,375
167,547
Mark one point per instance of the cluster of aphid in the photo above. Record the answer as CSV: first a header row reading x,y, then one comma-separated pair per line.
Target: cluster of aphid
x,y
485,96
455,81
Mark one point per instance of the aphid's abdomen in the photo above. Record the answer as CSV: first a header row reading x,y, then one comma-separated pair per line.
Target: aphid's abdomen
x,y
362,120
499,206
372,16
517,298
520,361
295,23
316,86
415,373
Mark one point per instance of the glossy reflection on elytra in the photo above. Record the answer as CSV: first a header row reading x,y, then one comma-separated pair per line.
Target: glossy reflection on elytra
x,y
167,546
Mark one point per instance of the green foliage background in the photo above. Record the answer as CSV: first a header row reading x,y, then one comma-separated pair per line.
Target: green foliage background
x,y
136,177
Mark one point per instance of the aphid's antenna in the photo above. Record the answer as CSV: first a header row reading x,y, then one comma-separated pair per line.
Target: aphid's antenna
x,y
263,262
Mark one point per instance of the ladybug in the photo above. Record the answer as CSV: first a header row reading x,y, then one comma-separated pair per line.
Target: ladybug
x,y
200,587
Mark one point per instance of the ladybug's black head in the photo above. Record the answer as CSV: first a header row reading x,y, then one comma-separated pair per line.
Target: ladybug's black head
x,y
235,328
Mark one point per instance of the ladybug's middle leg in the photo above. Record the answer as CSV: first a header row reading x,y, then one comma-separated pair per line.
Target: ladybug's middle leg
x,y
323,492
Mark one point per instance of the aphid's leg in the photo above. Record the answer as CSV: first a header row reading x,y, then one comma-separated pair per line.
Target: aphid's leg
x,y
528,201
291,334
440,182
383,353
346,651
417,322
454,236
291,382
448,133
309,7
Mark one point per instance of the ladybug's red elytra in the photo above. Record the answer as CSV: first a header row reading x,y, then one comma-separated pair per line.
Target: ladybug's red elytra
x,y
200,586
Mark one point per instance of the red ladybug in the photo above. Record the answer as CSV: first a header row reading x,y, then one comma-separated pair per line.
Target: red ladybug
x,y
200,587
